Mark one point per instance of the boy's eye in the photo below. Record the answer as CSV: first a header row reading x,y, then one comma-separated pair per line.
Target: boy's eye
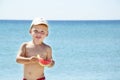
x,y
36,31
42,32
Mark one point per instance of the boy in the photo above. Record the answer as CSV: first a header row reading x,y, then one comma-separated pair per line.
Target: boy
x,y
29,51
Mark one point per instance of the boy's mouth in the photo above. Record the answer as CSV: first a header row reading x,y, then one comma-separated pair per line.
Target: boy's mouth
x,y
38,37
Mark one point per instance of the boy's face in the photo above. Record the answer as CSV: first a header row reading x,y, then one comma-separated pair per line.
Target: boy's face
x,y
39,32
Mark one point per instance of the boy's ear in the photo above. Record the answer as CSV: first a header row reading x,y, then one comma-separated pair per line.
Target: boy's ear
x,y
30,31
47,33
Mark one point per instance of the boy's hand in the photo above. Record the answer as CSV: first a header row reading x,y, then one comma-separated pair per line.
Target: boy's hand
x,y
51,64
33,59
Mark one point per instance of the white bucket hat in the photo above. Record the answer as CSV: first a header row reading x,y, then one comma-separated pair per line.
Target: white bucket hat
x,y
37,21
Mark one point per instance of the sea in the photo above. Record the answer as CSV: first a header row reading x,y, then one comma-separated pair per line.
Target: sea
x,y
82,49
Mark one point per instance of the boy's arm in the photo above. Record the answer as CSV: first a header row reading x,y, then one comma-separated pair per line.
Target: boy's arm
x,y
21,56
49,56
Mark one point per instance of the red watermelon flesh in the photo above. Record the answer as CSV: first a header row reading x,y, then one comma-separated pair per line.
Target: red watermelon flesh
x,y
45,62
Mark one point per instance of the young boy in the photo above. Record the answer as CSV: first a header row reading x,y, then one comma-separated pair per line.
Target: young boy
x,y
29,51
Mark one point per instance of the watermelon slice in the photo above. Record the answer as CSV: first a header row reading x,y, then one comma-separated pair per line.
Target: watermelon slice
x,y
43,62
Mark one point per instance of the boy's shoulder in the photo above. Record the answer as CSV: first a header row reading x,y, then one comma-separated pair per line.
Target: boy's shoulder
x,y
47,46
25,43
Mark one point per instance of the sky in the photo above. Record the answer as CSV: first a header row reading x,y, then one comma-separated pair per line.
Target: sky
x,y
60,9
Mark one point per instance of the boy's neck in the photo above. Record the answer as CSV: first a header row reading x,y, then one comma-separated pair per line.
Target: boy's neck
x,y
37,43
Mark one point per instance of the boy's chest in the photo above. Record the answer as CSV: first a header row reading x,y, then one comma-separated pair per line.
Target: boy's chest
x,y
34,51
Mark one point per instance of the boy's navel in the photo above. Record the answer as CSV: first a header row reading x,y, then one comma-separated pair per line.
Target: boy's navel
x,y
29,73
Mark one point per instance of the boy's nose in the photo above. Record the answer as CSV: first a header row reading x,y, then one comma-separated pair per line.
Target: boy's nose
x,y
41,33
38,32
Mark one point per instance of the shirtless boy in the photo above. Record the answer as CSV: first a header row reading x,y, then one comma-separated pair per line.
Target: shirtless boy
x,y
28,52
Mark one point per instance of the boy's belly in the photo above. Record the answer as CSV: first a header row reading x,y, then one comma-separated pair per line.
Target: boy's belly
x,y
33,71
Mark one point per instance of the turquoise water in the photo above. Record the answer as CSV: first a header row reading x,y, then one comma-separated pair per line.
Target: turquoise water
x,y
83,50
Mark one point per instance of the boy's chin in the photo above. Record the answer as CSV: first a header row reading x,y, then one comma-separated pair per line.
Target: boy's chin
x,y
38,40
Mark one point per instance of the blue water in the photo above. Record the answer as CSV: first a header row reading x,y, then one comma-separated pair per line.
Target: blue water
x,y
83,50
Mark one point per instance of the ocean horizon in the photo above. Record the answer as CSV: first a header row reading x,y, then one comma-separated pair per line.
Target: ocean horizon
x,y
82,49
